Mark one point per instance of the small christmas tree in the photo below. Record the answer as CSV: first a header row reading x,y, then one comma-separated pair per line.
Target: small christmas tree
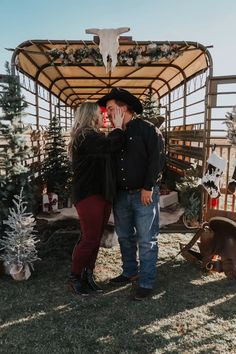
x,y
190,194
151,111
19,240
194,207
56,169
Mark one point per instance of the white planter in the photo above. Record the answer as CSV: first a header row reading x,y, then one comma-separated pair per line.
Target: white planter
x,y
19,272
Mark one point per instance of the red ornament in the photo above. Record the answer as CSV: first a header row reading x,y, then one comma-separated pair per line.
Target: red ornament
x,y
213,202
104,112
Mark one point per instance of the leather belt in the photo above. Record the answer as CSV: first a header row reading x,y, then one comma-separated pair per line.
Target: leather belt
x,y
133,191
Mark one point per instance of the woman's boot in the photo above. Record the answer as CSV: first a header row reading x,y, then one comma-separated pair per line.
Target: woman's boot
x,y
92,285
76,284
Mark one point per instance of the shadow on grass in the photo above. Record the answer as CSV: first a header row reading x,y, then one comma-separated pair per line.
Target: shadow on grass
x,y
40,316
226,309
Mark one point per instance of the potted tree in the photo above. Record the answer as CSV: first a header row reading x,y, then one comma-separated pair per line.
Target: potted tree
x,y
19,240
191,214
190,197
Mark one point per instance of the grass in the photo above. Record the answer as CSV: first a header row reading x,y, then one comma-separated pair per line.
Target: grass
x,y
190,312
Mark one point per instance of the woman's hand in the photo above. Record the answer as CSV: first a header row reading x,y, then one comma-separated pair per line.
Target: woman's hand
x,y
118,117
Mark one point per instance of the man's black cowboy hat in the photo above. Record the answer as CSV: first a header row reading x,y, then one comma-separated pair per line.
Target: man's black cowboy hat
x,y
123,96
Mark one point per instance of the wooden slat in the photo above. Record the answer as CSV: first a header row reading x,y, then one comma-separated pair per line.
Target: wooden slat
x,y
183,165
189,135
190,151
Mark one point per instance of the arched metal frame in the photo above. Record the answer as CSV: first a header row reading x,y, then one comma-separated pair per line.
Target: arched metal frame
x,y
32,50
87,82
188,134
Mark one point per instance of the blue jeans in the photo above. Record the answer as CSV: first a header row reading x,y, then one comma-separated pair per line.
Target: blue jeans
x,y
137,227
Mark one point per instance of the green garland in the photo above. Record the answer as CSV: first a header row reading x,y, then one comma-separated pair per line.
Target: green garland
x,y
138,55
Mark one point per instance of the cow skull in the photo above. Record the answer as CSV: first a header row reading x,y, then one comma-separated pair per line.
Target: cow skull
x,y
109,44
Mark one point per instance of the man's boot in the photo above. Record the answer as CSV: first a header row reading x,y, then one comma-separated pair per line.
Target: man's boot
x,y
76,284
89,279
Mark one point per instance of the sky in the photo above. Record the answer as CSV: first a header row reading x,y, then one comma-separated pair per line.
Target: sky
x,y
209,22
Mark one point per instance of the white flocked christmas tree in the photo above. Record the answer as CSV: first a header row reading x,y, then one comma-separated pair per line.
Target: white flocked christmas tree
x,y
19,240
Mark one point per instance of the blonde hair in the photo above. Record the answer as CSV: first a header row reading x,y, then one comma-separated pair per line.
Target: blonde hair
x,y
86,119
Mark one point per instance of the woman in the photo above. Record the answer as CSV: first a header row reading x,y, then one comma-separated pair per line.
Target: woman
x,y
93,188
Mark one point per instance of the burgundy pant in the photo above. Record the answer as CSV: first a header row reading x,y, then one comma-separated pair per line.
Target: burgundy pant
x,y
94,213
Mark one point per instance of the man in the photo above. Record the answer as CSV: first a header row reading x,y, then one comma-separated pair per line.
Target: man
x,y
136,211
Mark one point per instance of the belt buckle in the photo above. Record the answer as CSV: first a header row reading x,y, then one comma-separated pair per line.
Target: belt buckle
x,y
133,191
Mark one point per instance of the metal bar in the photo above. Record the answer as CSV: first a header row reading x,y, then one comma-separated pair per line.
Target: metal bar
x,y
223,93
